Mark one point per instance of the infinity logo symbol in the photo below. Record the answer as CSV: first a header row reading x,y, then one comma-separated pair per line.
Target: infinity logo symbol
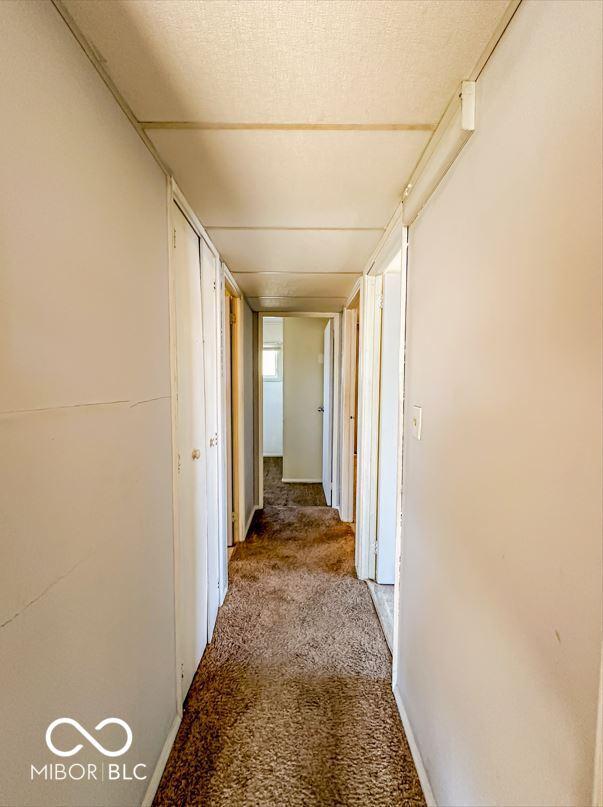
x,y
71,722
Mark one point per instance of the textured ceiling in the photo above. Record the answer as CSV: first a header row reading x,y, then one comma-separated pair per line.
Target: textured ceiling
x,y
340,60
308,63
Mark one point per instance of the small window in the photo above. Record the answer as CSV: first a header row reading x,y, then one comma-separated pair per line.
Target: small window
x,y
272,363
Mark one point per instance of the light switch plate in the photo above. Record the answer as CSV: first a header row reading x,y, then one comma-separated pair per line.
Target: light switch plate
x,y
415,420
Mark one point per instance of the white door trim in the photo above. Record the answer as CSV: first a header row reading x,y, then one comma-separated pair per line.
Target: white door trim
x,y
348,416
400,454
260,413
328,432
336,414
368,424
170,199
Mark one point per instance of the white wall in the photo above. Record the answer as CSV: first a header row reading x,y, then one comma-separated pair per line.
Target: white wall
x,y
272,391
86,581
249,370
303,381
499,644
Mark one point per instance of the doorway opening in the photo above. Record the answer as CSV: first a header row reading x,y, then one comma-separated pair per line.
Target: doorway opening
x,y
299,391
232,410
389,436
372,397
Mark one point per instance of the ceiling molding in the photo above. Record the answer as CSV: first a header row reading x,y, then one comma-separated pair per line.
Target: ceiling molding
x,y
111,86
298,229
288,127
295,297
501,27
301,273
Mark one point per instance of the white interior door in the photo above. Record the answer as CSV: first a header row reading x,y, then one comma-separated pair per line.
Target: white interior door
x,y
389,401
191,565
327,390
209,293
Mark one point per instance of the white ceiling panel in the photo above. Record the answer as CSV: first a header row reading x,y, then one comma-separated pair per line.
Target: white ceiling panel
x,y
317,304
290,200
295,250
280,61
295,285
305,179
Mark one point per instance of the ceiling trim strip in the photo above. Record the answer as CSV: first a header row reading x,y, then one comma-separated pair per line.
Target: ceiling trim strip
x,y
298,229
289,127
282,272
112,87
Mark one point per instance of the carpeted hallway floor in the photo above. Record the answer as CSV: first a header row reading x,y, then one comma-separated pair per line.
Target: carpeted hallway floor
x,y
292,703
281,494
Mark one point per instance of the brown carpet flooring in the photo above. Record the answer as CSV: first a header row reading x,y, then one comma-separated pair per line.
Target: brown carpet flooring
x,y
292,705
283,494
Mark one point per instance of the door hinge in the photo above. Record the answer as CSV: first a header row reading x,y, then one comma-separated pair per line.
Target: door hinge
x,y
380,301
233,319
178,463
174,238
214,285
234,517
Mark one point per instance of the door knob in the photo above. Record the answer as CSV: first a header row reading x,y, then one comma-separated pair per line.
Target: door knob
x,y
320,409
196,453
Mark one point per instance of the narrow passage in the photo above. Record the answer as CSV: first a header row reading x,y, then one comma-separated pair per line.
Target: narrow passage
x,y
292,702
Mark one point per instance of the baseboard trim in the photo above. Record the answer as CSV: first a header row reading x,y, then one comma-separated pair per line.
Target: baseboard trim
x,y
161,763
302,480
414,750
273,455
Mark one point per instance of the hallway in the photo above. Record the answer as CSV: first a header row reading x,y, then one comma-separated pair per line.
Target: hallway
x,y
301,393
292,702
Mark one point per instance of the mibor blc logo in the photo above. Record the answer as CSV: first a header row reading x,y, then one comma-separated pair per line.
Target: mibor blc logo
x,y
89,771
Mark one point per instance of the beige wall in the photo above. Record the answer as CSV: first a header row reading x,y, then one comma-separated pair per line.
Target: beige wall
x,y
303,340
499,644
86,588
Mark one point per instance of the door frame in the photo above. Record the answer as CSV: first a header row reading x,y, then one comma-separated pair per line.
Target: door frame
x,y
327,407
390,397
369,372
400,454
175,196
349,424
335,452
369,378
231,286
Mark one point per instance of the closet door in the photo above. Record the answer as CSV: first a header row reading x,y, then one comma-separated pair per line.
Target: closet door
x,y
191,548
211,352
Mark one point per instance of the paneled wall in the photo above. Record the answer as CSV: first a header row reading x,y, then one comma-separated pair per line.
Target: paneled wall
x,y
500,599
86,579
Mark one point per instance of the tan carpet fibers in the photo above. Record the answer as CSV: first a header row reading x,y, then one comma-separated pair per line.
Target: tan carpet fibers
x,y
283,494
292,702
